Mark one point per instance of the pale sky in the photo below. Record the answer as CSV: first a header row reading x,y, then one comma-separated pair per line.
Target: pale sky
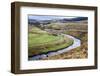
x,y
41,17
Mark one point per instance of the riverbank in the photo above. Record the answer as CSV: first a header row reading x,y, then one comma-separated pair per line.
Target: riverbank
x,y
75,44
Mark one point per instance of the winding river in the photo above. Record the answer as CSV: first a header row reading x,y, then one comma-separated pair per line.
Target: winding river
x,y
75,44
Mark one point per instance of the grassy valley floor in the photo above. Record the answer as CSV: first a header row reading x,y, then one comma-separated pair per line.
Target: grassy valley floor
x,y
77,53
40,41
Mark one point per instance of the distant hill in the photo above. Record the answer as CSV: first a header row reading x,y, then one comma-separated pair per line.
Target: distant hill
x,y
64,20
73,19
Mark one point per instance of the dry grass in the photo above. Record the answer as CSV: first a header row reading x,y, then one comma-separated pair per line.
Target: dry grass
x,y
77,53
73,54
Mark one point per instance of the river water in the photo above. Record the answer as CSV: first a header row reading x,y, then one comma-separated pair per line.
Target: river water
x,y
75,44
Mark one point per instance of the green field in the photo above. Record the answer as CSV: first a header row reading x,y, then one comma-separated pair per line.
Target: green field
x,y
40,41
